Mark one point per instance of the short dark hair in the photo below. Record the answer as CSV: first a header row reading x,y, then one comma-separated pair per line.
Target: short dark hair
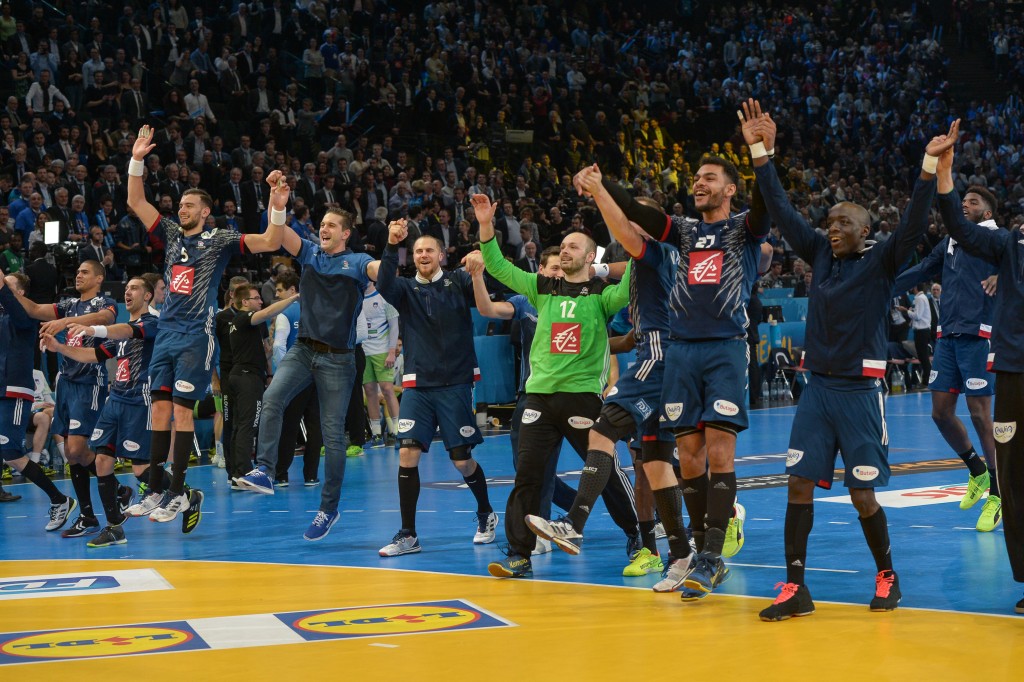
x,y
725,164
22,280
986,196
152,279
97,267
146,284
203,195
548,253
288,279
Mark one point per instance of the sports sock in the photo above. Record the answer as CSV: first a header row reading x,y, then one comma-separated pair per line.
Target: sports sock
x,y
876,532
34,473
695,495
92,468
993,485
721,497
392,426
163,479
478,485
973,462
408,496
647,536
34,456
375,428
60,451
80,482
108,497
669,502
159,449
596,471
799,521
182,451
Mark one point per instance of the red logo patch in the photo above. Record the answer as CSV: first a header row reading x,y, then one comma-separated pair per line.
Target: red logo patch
x,y
565,338
705,267
124,372
181,279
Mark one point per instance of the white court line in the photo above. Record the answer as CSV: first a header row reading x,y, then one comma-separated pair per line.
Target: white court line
x,y
922,526
385,646
753,519
280,511
823,570
840,523
242,511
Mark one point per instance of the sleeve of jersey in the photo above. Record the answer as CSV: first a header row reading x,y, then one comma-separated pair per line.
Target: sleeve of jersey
x,y
616,296
170,227
13,307
794,228
927,269
106,350
515,279
387,277
759,223
898,248
653,221
989,245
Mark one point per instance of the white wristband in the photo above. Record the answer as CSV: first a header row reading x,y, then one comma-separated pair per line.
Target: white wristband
x,y
601,270
99,332
771,152
135,168
757,150
277,217
930,163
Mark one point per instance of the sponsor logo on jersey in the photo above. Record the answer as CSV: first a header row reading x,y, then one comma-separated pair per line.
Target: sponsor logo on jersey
x,y
397,619
182,279
1004,431
406,425
76,341
124,372
96,642
580,422
705,267
467,431
725,408
644,409
865,473
565,338
530,416
130,446
793,456
976,384
673,411
183,386
97,434
74,424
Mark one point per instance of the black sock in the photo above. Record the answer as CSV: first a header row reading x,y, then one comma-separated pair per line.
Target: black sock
x,y
80,482
182,451
669,502
408,495
876,532
92,468
721,497
108,497
159,449
34,473
596,471
163,479
695,496
799,521
973,462
993,484
647,536
478,485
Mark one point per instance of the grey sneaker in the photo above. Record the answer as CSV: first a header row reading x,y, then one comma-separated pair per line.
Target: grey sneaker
x,y
402,543
59,513
675,573
560,531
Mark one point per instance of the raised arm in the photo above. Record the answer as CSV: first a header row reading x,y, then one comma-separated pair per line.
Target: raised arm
x,y
989,245
591,182
271,310
115,332
11,303
616,296
272,239
500,310
651,220
146,212
518,280
387,272
927,269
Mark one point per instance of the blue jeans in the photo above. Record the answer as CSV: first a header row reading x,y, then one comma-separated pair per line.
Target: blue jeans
x,y
334,375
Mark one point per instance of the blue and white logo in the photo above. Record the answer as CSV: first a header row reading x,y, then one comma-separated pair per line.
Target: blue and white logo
x,y
77,584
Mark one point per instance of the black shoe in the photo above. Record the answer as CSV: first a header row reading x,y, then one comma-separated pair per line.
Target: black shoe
x,y
887,591
7,497
125,497
83,525
312,482
514,565
191,518
111,535
794,601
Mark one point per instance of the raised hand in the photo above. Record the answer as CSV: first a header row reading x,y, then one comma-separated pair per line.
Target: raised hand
x,y
279,190
941,143
474,262
53,327
767,129
580,178
397,231
483,208
750,119
590,180
143,143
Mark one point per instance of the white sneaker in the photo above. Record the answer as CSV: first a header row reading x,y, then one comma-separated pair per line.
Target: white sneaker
x,y
59,513
485,529
560,531
401,544
145,506
218,457
675,574
659,530
170,508
542,547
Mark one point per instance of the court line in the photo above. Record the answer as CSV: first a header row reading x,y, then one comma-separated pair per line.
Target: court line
x,y
822,570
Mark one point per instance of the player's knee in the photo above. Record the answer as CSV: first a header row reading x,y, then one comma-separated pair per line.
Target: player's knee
x,y
614,422
658,451
864,501
801,490
104,451
460,456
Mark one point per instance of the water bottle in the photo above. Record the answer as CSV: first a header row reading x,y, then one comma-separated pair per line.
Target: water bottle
x,y
898,385
765,394
774,333
775,391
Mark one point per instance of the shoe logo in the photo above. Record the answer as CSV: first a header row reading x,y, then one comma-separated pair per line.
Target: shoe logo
x,y
1004,431
530,416
580,422
405,425
976,384
865,473
725,408
673,411
794,456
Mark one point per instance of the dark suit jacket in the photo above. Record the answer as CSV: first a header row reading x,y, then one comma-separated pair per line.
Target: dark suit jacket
x,y
250,207
302,189
523,264
130,108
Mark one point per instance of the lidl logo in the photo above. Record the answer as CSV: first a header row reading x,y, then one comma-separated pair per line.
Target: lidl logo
x,y
398,619
77,584
121,640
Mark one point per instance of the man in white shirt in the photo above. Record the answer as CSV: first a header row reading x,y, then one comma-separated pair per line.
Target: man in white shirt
x,y
921,321
380,348
196,103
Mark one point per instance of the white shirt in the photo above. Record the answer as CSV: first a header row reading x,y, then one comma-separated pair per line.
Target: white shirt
x,y
382,325
921,313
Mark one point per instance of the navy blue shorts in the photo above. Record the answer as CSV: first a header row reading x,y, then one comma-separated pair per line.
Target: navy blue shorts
x,y
15,414
423,410
960,366
840,417
638,392
182,364
125,429
77,409
705,381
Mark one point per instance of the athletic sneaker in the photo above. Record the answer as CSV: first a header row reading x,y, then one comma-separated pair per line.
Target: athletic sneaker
x,y
312,482
793,601
674,574
218,459
8,497
257,480
560,531
354,451
734,532
659,530
485,525
280,482
991,515
145,506
512,566
125,497
977,486
642,563
111,535
542,547
235,485
169,508
59,513
83,525
321,526
708,573
403,543
376,442
194,513
887,591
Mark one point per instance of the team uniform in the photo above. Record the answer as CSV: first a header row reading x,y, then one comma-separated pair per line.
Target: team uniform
x,y
81,386
224,359
380,338
248,381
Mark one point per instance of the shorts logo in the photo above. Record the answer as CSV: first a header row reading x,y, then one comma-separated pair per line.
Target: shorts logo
x,y
74,424
673,411
865,473
580,422
644,409
565,338
976,384
794,456
182,278
4,440
130,446
467,431
705,267
124,372
406,425
932,376
97,434
725,408
614,391
1004,431
183,386
530,416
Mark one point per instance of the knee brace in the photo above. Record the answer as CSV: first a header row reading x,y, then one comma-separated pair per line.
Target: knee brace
x,y
460,453
614,423
658,451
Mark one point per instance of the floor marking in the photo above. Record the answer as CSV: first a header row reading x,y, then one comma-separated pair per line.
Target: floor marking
x,y
840,523
352,511
753,519
964,528
17,517
385,646
280,511
823,570
242,511
922,526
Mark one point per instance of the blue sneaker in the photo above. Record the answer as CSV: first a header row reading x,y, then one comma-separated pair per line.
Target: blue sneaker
x,y
321,526
257,481
512,566
709,572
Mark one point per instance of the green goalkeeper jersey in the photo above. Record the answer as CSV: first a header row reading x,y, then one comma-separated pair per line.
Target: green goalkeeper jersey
x,y
570,349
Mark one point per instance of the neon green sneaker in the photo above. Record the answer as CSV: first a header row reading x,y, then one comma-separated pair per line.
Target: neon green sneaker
x,y
734,532
642,563
991,515
977,486
354,451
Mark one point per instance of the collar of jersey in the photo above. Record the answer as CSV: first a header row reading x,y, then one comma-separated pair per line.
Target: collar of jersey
x,y
437,276
990,224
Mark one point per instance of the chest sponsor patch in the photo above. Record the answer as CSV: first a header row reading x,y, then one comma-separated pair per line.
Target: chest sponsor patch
x,y
124,373
182,279
565,338
705,267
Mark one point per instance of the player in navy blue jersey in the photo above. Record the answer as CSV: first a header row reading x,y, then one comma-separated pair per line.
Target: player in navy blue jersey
x,y
122,430
182,362
81,387
17,341
842,409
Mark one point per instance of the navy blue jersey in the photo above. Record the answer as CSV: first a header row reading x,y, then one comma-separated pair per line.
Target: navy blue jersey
x,y
649,289
131,382
195,265
18,337
332,294
526,315
72,370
